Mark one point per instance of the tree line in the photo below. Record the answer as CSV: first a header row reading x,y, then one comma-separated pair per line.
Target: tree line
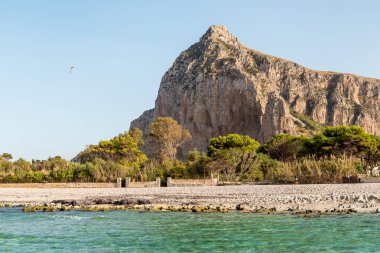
x,y
321,158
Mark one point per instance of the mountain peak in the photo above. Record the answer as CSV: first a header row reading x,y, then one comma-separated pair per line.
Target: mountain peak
x,y
218,32
218,86
217,29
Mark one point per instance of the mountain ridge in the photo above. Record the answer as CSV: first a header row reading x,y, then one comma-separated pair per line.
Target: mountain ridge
x,y
219,86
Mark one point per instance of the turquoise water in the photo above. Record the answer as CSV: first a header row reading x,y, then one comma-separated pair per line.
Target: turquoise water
x,y
122,231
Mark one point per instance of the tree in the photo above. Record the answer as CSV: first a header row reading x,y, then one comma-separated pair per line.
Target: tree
x,y
168,136
340,141
124,148
197,164
232,163
244,142
6,166
137,136
6,156
285,147
21,166
373,154
232,155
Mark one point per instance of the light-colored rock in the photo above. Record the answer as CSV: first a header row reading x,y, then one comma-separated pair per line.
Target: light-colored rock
x,y
218,86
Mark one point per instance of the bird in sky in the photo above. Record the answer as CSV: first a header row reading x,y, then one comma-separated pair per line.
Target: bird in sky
x,y
71,69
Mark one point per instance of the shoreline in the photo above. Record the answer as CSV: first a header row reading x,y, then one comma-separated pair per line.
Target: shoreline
x,y
303,199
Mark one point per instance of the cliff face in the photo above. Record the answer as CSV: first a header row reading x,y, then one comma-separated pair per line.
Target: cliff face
x,y
218,86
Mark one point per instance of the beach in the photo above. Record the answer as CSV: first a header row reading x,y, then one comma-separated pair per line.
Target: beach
x,y
280,198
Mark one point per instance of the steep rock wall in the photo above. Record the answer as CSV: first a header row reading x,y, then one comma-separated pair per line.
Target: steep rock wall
x,y
218,86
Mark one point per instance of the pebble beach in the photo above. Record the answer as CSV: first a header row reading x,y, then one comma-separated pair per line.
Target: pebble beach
x,y
322,197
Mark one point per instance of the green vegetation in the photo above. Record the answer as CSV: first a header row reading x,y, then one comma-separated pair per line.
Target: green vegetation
x,y
324,157
242,142
118,157
285,147
123,149
232,156
309,123
315,171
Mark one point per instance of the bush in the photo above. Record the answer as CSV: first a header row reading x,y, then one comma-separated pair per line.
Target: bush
x,y
315,171
285,147
244,142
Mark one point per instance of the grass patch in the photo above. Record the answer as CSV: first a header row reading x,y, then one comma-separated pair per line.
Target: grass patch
x,y
309,123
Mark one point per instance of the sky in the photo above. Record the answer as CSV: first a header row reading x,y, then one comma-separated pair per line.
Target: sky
x,y
121,49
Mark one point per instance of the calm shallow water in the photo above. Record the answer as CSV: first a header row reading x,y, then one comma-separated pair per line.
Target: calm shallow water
x,y
122,231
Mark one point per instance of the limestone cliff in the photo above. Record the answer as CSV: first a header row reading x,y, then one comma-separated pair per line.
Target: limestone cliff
x,y
218,86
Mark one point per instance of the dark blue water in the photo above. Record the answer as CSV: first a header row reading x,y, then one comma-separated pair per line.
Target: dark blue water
x,y
128,231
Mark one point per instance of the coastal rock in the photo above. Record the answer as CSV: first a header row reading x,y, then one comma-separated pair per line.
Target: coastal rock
x,y
243,207
124,202
103,201
66,202
218,86
143,201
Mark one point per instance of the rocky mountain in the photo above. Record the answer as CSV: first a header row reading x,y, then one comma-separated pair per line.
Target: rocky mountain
x,y
218,86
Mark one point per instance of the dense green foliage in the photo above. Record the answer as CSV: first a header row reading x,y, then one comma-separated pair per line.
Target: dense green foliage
x,y
232,155
285,147
342,140
124,149
242,142
6,156
59,170
322,158
119,157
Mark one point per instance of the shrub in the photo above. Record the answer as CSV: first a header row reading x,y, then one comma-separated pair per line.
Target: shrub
x,y
316,171
243,142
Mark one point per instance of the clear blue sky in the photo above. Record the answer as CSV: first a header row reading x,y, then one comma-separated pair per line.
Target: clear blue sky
x,y
121,49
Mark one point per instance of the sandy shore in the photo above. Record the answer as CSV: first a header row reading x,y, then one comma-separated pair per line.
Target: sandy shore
x,y
361,197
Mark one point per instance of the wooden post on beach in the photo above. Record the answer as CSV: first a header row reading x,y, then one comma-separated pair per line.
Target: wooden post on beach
x,y
214,181
127,182
169,182
158,182
118,182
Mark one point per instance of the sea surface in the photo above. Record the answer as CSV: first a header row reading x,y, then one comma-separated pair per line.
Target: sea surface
x,y
131,231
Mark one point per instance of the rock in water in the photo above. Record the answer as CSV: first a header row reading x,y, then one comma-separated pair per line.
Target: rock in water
x,y
218,86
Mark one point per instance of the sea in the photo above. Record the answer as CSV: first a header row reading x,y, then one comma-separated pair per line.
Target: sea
x,y
133,231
